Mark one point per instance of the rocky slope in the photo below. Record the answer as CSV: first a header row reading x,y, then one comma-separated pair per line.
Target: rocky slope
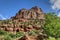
x,y
26,21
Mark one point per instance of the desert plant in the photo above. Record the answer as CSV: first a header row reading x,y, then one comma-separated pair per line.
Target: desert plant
x,y
5,21
18,34
33,32
3,32
7,38
12,35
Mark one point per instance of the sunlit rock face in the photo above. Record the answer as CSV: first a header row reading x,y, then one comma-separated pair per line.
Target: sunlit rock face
x,y
26,21
33,13
31,19
30,16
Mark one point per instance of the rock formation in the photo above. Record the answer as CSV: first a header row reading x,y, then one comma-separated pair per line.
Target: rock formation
x,y
25,21
33,13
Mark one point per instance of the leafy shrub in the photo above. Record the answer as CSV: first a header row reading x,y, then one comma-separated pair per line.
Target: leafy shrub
x,y
12,35
7,38
52,25
36,31
18,34
58,38
33,32
5,21
2,32
51,38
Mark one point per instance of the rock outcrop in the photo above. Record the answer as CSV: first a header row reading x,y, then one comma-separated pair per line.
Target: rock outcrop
x,y
33,13
25,21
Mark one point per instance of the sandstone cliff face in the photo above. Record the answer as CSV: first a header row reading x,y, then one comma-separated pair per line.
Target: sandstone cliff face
x,y
30,16
26,21
33,13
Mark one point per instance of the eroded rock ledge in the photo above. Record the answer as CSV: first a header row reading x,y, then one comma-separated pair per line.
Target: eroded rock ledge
x,y
25,21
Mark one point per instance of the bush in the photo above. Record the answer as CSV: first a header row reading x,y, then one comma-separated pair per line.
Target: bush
x,y
52,25
18,34
30,33
58,38
7,38
51,38
36,31
5,21
12,35
33,32
2,32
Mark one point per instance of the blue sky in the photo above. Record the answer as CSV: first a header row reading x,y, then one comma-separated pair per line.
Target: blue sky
x,y
9,8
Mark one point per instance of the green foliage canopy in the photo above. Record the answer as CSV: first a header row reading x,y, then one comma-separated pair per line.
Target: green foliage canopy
x,y
52,25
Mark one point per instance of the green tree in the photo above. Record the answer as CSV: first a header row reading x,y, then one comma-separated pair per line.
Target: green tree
x,y
52,25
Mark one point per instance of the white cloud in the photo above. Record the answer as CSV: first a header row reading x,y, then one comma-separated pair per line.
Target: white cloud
x,y
3,18
55,4
52,1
